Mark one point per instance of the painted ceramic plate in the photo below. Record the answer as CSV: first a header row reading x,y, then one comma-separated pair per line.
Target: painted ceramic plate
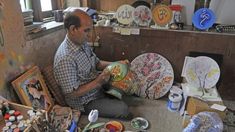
x,y
118,71
208,122
162,15
124,14
203,18
142,15
202,72
139,123
155,74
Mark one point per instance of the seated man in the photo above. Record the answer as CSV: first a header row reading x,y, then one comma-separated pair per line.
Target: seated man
x,y
76,70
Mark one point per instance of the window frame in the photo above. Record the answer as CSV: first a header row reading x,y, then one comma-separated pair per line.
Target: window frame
x,y
38,14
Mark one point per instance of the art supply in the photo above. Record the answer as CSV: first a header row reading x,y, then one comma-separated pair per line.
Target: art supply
x,y
5,129
30,111
139,123
6,106
11,112
17,113
8,124
114,125
16,130
6,116
12,118
174,102
19,118
13,126
21,126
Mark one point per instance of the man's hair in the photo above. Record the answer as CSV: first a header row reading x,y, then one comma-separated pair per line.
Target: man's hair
x,y
71,19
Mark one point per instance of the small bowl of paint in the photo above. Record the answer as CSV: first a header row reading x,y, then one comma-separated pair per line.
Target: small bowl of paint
x,y
139,123
114,126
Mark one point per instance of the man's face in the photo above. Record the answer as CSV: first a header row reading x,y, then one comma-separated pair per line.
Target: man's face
x,y
83,33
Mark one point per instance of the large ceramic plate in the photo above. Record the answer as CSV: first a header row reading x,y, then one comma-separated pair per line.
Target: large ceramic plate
x,y
142,16
202,72
124,14
162,15
155,74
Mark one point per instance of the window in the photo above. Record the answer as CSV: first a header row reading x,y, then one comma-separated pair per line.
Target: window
x,y
46,5
23,5
42,9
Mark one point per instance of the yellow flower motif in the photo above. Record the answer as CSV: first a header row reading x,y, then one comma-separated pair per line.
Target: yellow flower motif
x,y
213,72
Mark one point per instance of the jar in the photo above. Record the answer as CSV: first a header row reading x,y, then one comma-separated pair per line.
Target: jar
x,y
174,101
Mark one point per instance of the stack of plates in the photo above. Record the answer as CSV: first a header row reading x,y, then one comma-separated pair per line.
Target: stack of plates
x,y
28,17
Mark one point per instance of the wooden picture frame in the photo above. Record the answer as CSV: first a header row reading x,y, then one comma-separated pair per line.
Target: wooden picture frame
x,y
32,90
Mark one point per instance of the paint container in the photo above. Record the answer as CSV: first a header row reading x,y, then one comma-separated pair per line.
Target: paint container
x,y
30,111
174,102
11,112
16,130
8,124
6,117
21,126
17,113
13,126
5,129
19,118
12,118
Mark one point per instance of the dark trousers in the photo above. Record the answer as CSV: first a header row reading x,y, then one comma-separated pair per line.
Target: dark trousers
x,y
109,107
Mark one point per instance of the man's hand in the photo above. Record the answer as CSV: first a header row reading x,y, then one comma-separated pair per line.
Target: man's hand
x,y
103,77
125,62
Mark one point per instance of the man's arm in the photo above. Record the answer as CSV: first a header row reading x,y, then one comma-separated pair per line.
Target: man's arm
x,y
97,83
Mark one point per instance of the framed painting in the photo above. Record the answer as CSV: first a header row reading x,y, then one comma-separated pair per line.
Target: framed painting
x,y
32,89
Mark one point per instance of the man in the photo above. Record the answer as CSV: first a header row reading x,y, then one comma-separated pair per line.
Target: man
x,y
76,70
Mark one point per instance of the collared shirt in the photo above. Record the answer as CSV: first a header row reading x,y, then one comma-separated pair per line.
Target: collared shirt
x,y
74,66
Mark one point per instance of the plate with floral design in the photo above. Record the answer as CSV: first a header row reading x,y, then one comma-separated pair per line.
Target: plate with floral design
x,y
142,15
155,74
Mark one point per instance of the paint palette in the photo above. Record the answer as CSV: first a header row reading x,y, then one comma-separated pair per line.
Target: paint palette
x,y
155,75
202,72
139,123
142,15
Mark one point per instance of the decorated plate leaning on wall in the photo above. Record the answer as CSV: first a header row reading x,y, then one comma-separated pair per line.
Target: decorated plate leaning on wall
x,y
142,16
155,74
202,72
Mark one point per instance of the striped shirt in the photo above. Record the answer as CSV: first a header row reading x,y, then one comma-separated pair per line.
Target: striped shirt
x,y
75,65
